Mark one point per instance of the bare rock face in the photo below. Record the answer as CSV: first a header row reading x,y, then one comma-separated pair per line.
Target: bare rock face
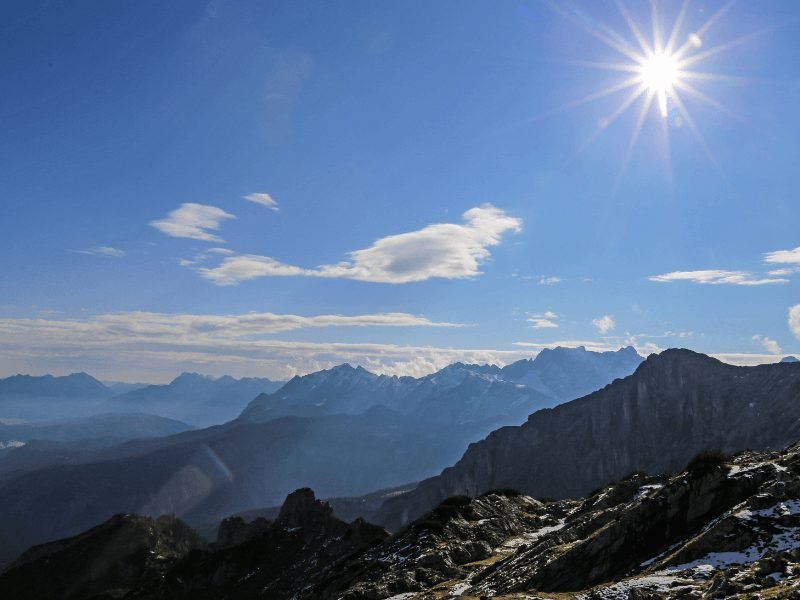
x,y
674,405
726,528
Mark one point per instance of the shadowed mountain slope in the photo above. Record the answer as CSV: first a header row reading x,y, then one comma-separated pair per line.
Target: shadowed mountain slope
x,y
674,405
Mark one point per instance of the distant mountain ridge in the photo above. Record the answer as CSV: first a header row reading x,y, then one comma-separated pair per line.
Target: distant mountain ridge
x,y
68,386
674,405
32,397
196,399
458,393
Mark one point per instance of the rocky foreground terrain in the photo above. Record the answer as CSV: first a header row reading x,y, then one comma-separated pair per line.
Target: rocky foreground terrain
x,y
723,528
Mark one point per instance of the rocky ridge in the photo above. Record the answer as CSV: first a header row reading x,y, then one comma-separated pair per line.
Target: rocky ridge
x,y
674,405
722,528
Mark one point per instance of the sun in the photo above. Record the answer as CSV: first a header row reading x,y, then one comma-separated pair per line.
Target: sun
x,y
660,69
659,73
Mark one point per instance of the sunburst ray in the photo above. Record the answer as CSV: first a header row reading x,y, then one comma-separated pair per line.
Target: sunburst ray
x,y
608,121
663,63
648,100
637,33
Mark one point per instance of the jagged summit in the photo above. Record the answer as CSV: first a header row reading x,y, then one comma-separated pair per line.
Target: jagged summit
x,y
302,509
188,377
463,392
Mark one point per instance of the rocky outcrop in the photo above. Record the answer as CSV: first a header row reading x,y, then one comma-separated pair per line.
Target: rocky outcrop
x,y
728,529
674,405
303,546
137,557
235,530
126,551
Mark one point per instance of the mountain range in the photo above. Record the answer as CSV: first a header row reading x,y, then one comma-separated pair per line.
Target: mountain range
x,y
484,395
722,527
675,404
196,399
191,398
357,432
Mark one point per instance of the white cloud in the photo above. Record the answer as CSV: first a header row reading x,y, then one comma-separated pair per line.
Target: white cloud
x,y
224,251
769,345
746,360
144,346
546,320
552,280
794,320
441,250
678,334
604,324
784,256
250,266
784,272
263,200
193,221
103,251
715,277
182,327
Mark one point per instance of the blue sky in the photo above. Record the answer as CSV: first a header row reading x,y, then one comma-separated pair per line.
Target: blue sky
x,y
266,188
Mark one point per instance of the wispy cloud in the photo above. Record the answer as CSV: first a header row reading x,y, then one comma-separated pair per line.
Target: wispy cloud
x,y
605,323
145,345
769,345
441,250
263,200
183,326
546,320
107,251
549,280
194,221
284,83
716,277
784,271
784,256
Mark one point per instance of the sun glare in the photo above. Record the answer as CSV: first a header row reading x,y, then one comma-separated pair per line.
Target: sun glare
x,y
658,69
659,73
